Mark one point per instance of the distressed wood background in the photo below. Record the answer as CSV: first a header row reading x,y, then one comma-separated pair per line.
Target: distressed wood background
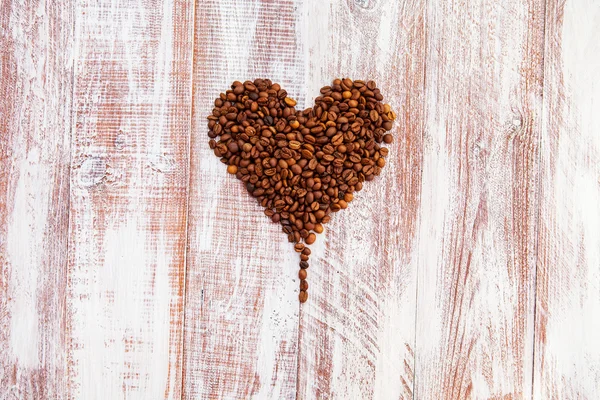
x,y
133,267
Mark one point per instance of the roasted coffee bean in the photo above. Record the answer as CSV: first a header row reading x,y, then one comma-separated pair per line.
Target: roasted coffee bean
x,y
303,296
311,238
303,285
302,274
302,165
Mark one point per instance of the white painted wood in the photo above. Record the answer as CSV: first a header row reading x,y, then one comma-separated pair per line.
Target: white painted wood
x,y
241,324
423,288
478,210
567,351
357,329
129,177
35,98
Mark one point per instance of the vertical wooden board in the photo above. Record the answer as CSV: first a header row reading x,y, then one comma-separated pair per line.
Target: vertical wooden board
x,y
477,223
357,328
567,352
35,102
241,318
128,199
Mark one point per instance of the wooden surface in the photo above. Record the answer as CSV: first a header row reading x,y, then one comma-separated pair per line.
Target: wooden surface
x,y
567,353
476,270
128,205
36,84
133,267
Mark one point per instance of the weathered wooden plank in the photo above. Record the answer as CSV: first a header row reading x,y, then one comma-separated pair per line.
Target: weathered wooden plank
x,y
35,98
357,328
241,319
567,352
477,223
128,199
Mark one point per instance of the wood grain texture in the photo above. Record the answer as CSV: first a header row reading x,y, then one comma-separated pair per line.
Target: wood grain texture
x,y
35,113
241,321
567,352
469,269
479,203
128,199
357,328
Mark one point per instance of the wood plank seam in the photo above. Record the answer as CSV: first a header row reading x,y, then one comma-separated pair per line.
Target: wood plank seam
x,y
538,202
187,205
424,107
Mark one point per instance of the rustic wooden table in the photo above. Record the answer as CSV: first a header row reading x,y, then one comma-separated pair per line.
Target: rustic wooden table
x,y
133,267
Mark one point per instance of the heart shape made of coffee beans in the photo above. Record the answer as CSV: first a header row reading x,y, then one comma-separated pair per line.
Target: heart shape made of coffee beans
x,y
301,166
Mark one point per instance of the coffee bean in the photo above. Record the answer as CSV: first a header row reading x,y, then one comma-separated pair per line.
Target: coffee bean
x,y
303,296
303,285
233,147
387,138
311,238
302,274
232,169
303,264
299,247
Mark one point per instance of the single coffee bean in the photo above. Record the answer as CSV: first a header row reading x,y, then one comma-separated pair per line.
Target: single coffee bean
x,y
387,138
303,296
303,264
311,238
299,247
306,251
303,285
232,169
303,257
302,274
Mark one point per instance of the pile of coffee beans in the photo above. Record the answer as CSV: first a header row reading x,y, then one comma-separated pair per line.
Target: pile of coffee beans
x,y
301,165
